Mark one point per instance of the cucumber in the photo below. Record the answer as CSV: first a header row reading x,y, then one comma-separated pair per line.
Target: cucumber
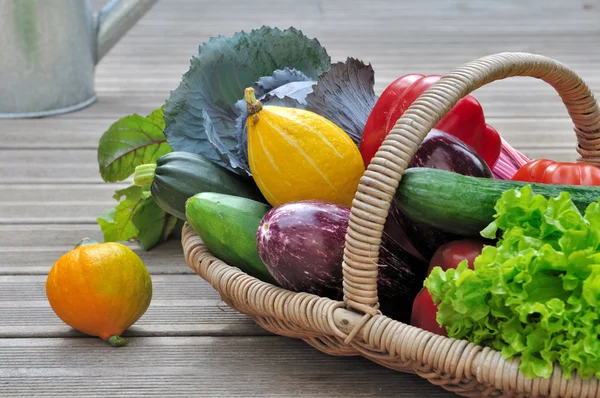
x,y
228,226
177,176
464,205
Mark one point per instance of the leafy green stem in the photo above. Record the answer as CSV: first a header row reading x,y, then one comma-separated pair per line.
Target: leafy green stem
x,y
144,174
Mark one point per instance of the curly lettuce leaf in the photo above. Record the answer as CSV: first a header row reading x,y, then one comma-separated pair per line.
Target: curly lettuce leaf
x,y
536,295
218,75
345,95
129,142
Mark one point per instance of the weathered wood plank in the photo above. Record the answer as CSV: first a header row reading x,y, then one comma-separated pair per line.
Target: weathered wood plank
x,y
54,133
41,237
166,258
53,161
181,305
51,193
166,288
60,212
48,203
49,166
195,366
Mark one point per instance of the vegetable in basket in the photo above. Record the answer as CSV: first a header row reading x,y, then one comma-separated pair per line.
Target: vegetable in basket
x,y
464,205
536,295
551,172
295,154
447,256
438,151
227,225
509,162
177,176
465,120
302,245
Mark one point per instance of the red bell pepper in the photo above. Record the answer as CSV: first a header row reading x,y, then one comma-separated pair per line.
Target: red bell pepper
x,y
465,120
546,171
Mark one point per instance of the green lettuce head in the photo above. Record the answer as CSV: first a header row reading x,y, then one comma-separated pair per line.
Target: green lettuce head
x,y
536,294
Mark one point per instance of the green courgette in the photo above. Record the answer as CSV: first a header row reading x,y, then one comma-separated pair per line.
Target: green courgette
x,y
464,205
228,226
177,176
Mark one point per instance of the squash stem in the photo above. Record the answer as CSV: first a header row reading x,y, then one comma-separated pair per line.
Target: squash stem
x,y
117,341
144,174
253,105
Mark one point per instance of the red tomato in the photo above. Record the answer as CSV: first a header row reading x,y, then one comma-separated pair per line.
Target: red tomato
x,y
452,253
424,312
546,171
446,256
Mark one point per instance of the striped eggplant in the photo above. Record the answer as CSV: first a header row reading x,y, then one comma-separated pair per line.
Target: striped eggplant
x,y
302,244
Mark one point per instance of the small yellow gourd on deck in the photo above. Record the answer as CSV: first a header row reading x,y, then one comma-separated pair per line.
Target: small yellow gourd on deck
x,y
295,154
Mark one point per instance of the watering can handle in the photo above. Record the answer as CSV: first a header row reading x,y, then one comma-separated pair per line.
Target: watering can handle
x,y
115,19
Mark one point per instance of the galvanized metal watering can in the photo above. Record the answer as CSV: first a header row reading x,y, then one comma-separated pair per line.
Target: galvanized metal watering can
x,y
49,50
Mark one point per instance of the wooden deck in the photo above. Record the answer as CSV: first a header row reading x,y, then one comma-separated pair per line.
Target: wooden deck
x,y
189,343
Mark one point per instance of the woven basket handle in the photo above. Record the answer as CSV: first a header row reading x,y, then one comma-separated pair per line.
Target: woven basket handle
x,y
380,180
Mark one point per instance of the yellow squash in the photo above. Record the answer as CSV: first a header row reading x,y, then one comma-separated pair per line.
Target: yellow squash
x,y
295,154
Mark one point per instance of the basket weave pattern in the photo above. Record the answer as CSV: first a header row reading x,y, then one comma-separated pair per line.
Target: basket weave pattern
x,y
355,325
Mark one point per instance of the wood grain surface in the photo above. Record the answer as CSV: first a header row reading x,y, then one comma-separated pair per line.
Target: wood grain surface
x,y
189,343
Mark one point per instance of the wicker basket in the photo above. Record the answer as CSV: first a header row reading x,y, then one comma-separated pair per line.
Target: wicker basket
x,y
356,326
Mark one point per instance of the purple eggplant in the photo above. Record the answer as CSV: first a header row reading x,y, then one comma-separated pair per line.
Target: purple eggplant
x,y
438,150
302,245
397,227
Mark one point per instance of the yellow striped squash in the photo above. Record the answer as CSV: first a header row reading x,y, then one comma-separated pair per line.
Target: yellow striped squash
x,y
295,154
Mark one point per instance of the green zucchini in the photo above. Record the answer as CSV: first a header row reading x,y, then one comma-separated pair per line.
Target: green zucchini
x,y
177,176
464,205
228,226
